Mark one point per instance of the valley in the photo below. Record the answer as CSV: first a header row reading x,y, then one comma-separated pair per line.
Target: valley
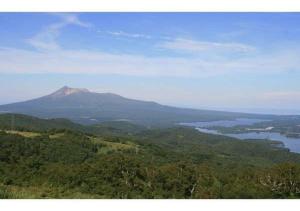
x,y
75,143
50,158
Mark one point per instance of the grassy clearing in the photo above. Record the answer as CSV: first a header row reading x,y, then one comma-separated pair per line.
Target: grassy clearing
x,y
33,134
113,146
40,192
56,135
23,133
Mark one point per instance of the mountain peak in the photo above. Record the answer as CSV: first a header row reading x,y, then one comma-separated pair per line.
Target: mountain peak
x,y
65,91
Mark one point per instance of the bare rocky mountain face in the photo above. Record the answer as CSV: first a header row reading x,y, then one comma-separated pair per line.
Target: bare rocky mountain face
x,y
64,91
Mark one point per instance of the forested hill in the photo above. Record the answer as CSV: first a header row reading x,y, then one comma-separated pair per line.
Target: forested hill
x,y
127,161
25,122
20,122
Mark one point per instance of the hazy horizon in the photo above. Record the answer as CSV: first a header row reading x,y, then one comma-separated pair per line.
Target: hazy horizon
x,y
230,109
221,61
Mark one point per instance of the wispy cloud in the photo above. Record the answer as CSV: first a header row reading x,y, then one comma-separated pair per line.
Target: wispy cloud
x,y
52,58
95,62
194,46
98,62
46,39
126,34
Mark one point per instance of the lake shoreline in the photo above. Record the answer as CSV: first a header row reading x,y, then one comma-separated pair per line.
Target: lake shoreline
x,y
290,143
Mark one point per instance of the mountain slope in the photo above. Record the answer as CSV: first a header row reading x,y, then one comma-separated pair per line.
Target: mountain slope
x,y
87,107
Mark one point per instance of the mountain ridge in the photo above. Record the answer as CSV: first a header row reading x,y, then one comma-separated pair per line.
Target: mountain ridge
x,y
86,107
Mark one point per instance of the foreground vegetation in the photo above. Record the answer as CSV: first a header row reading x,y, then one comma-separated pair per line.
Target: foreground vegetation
x,y
42,160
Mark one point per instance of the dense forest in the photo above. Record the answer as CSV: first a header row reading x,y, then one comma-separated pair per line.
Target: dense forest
x,y
59,159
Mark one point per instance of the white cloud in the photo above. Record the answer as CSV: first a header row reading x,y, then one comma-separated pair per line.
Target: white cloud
x,y
69,18
46,39
97,62
51,58
125,34
81,61
194,46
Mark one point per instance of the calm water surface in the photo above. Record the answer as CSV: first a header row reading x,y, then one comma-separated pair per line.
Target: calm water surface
x,y
225,123
293,144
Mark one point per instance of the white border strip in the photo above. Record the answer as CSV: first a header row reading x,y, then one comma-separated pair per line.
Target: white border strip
x,y
149,5
148,205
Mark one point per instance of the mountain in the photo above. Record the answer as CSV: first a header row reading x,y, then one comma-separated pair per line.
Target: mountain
x,y
83,106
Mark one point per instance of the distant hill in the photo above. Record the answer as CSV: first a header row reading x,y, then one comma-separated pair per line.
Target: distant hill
x,y
83,106
11,121
21,122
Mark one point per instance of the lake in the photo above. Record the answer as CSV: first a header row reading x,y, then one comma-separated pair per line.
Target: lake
x,y
293,144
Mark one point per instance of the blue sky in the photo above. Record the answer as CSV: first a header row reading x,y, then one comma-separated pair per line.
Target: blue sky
x,y
228,61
